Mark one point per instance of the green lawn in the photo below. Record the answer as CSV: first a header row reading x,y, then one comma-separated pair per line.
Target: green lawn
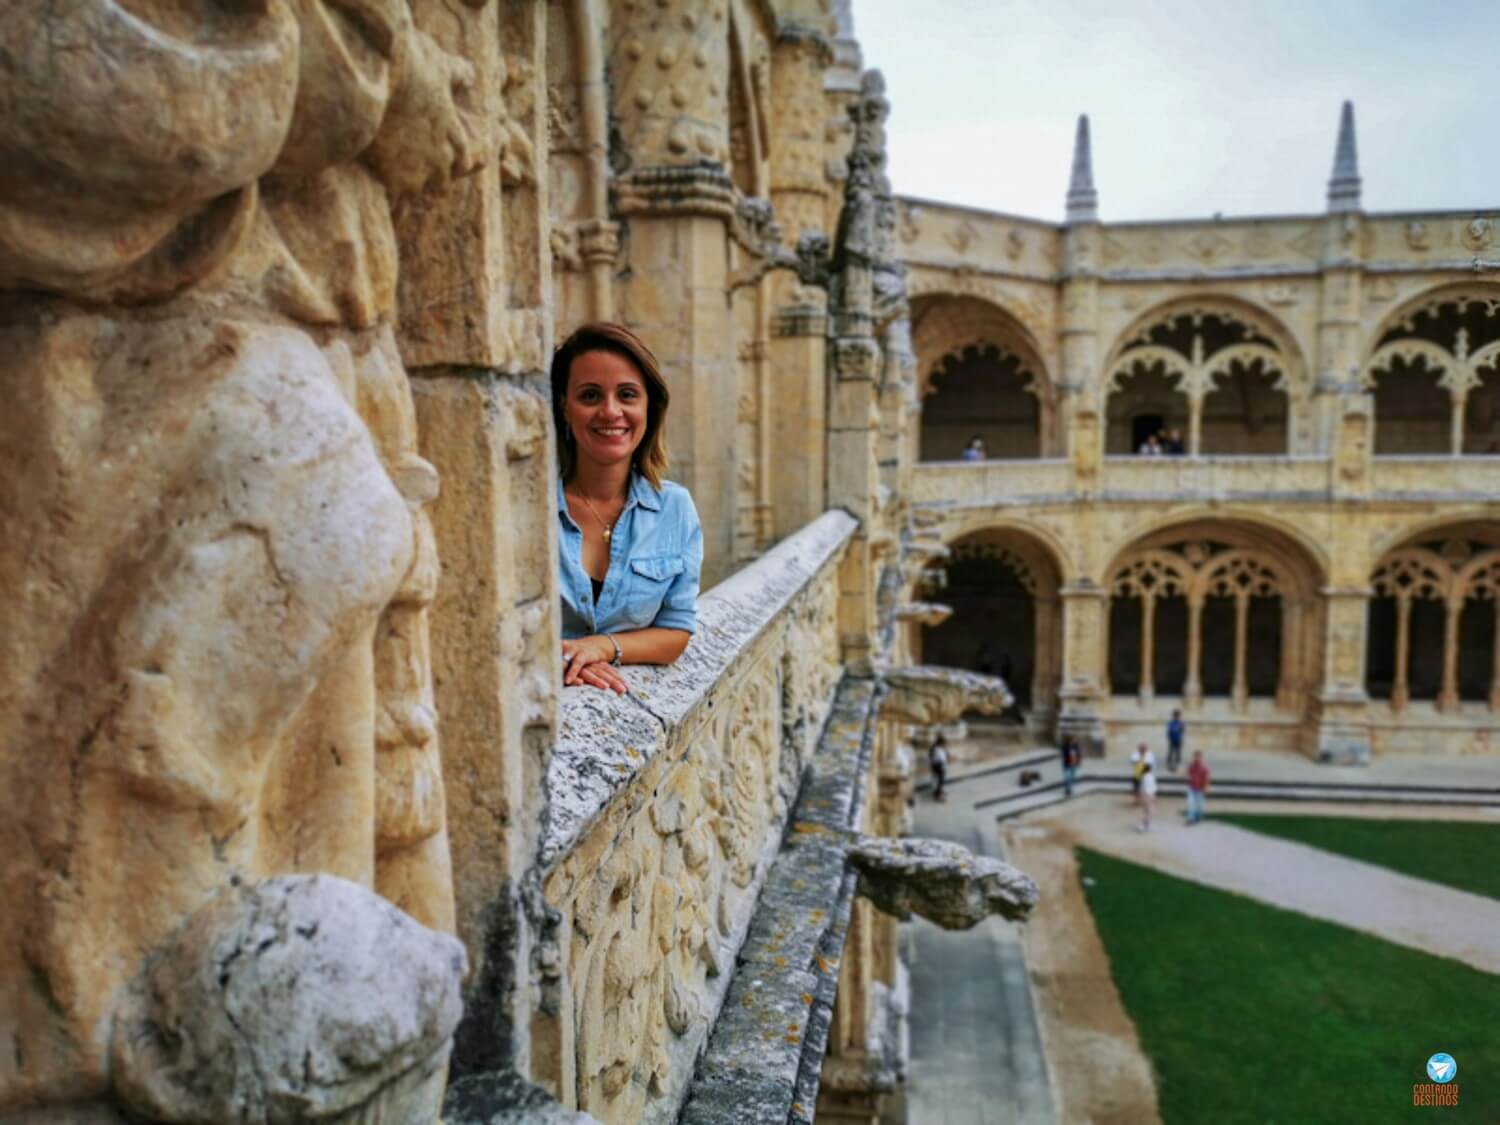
x,y
1250,1013
1462,854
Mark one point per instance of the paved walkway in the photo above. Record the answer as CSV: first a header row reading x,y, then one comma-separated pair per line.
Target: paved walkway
x,y
1401,909
977,1056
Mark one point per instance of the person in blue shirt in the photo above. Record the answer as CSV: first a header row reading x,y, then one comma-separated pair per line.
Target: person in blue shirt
x,y
629,544
1175,731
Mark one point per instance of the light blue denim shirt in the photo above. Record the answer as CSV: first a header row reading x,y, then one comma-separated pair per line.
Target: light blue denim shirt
x,y
655,558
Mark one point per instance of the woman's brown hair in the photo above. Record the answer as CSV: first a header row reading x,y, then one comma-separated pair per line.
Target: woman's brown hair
x,y
650,458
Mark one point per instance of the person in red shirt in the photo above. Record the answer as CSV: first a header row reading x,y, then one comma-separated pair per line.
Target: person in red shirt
x,y
1198,779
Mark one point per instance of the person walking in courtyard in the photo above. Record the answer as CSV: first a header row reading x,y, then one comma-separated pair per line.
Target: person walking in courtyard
x,y
1071,757
1141,760
1198,781
937,761
1147,798
1175,732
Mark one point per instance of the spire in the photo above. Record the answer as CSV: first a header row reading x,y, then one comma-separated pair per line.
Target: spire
x,y
1343,186
1083,200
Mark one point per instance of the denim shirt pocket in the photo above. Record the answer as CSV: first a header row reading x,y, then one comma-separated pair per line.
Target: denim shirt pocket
x,y
646,588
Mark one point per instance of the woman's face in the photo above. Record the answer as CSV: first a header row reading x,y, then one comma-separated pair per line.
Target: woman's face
x,y
606,407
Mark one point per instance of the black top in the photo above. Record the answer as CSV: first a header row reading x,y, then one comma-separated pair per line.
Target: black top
x,y
598,584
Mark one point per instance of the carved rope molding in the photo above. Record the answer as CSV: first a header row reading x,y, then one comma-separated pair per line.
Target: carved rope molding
x,y
665,811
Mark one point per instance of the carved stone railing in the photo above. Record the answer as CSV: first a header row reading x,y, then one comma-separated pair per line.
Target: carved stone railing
x,y
959,485
666,808
979,483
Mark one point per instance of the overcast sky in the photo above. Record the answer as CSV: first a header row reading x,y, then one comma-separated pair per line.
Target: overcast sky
x,y
1195,106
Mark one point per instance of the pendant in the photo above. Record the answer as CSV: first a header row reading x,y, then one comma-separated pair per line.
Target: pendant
x,y
608,531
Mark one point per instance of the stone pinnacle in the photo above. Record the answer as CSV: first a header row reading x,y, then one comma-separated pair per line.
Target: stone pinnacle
x,y
1083,200
1344,184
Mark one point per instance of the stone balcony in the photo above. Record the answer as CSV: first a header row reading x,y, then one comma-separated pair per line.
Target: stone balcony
x,y
1302,479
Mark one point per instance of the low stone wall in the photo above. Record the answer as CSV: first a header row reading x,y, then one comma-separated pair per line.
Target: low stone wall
x,y
665,809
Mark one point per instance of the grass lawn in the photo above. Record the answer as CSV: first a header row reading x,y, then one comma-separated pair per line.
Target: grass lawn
x,y
1462,854
1250,1013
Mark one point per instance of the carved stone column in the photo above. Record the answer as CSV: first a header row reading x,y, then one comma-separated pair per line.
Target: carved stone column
x,y
1192,687
669,92
1447,699
1456,423
1241,690
1400,693
1195,423
1146,690
1495,663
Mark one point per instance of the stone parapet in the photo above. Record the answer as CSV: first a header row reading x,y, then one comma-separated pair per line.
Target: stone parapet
x,y
665,812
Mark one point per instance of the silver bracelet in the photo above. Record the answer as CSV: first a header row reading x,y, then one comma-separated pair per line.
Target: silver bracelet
x,y
619,653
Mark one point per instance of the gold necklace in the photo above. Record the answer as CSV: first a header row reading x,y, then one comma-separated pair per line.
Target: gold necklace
x,y
609,528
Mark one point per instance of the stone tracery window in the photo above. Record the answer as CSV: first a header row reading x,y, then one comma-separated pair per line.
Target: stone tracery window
x,y
1434,625
1197,587
1435,377
1215,374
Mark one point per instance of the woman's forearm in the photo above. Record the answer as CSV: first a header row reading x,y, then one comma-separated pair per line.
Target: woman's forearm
x,y
652,646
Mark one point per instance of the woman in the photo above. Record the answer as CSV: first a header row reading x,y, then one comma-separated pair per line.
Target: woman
x,y
1147,798
630,545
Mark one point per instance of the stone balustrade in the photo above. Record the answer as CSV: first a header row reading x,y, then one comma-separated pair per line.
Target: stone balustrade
x,y
1307,479
666,808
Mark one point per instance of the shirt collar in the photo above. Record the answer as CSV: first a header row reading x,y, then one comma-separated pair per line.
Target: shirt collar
x,y
641,492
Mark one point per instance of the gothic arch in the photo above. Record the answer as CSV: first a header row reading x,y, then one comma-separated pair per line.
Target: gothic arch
x,y
1300,553
1003,585
1218,367
1055,550
980,372
1434,619
1433,368
1214,607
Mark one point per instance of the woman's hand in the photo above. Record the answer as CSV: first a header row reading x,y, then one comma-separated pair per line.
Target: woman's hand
x,y
588,661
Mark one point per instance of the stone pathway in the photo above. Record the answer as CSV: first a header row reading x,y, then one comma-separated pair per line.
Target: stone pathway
x,y
1398,908
977,1056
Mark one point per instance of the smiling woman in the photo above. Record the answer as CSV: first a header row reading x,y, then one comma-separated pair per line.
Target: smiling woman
x,y
630,547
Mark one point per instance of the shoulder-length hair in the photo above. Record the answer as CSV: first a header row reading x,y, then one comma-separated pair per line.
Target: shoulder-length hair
x,y
650,459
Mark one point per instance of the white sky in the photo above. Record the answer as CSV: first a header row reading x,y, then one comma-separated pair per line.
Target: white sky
x,y
1196,106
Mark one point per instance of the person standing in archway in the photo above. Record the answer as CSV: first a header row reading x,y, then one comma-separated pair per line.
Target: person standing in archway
x,y
975,450
1176,730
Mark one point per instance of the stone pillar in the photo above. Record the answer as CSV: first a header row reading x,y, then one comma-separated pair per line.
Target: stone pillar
x,y
1341,408
1085,606
669,88
1147,688
800,194
1044,672
1241,689
1080,395
1288,679
1342,730
1447,699
1192,687
1495,663
476,331
1456,423
1195,423
1400,693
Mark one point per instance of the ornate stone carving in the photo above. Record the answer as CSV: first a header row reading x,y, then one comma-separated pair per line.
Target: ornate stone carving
x,y
928,695
227,651
941,881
